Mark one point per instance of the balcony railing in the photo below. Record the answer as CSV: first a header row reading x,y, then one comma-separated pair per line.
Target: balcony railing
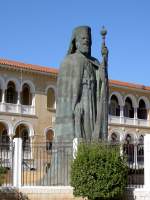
x,y
17,108
128,121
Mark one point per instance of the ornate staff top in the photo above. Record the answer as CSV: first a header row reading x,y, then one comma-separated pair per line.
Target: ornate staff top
x,y
103,33
104,50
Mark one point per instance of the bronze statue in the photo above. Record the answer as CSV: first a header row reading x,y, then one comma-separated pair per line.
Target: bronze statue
x,y
82,90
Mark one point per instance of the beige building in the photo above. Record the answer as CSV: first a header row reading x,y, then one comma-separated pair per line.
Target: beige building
x,y
27,108
129,110
27,102
27,105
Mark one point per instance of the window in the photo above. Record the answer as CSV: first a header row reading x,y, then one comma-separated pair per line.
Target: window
x,y
128,149
50,99
26,96
4,140
142,112
140,149
114,138
114,108
128,109
25,140
10,93
49,139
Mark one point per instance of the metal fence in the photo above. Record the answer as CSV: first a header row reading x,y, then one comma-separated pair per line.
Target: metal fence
x,y
46,164
49,164
135,161
6,164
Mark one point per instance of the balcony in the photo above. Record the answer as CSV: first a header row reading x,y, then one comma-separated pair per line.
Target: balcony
x,y
128,121
17,109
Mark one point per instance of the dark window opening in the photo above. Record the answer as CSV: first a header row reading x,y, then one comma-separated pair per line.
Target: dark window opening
x,y
49,140
11,93
25,140
26,96
4,140
50,99
140,149
142,111
128,149
114,108
128,109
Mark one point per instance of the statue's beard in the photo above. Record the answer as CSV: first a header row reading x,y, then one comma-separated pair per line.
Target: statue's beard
x,y
85,49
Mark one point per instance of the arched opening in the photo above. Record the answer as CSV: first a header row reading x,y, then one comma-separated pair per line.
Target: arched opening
x,y
128,148
128,108
50,99
4,138
11,93
49,139
114,108
114,138
140,149
26,96
142,111
22,131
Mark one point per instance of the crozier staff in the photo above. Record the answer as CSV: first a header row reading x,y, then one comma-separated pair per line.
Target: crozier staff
x,y
101,126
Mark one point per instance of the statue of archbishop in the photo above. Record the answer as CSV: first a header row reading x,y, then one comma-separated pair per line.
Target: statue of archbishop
x,y
82,91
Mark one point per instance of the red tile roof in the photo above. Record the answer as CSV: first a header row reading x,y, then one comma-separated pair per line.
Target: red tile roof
x,y
129,85
21,65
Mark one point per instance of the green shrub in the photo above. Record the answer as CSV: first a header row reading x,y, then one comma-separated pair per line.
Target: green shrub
x,y
98,172
3,171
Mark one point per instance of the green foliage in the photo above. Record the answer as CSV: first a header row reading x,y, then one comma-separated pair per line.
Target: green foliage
x,y
98,171
3,171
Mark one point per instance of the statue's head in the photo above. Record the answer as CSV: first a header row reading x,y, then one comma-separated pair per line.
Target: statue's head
x,y
81,40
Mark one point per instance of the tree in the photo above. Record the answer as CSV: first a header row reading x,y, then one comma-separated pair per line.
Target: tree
x,y
99,171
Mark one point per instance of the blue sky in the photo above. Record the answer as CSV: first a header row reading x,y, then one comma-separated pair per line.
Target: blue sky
x,y
39,32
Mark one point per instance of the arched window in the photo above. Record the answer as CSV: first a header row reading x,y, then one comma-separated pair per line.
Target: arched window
x,y
10,93
26,96
23,132
50,99
49,139
114,108
128,148
25,140
142,112
140,149
128,109
4,139
114,139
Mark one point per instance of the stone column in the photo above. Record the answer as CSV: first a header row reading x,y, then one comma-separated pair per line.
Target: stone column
x,y
3,96
121,115
18,102
148,116
135,116
146,161
75,147
135,155
3,107
33,103
17,162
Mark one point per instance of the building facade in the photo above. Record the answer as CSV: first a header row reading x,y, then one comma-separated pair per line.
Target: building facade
x,y
28,106
27,102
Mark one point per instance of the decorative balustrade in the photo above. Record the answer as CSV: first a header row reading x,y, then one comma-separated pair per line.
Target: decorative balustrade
x,y
128,121
17,108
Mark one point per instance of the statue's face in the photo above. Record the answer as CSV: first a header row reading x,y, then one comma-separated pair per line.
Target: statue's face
x,y
83,43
